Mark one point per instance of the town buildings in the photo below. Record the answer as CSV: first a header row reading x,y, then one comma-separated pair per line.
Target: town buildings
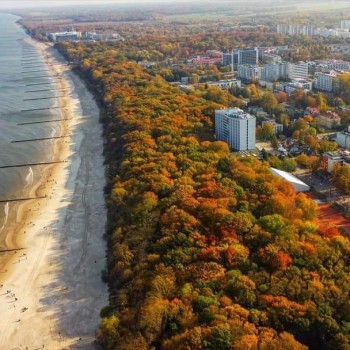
x,y
296,29
329,119
235,127
65,36
325,81
343,138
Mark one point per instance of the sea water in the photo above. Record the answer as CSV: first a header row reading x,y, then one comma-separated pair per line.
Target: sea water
x,y
23,72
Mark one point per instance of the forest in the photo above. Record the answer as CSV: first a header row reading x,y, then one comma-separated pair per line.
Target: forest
x,y
205,251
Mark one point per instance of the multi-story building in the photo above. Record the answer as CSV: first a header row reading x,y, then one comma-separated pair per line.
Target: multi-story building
x,y
296,29
235,127
298,84
65,36
273,72
270,58
345,24
325,81
343,138
249,72
277,127
298,70
227,58
327,65
249,55
341,48
329,159
329,119
228,83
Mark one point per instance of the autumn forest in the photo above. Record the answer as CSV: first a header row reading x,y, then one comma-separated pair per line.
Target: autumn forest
x,y
205,250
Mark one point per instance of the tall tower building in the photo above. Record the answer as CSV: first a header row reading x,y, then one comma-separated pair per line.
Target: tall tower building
x,y
249,55
235,127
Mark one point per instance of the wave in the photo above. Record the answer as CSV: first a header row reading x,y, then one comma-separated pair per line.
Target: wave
x,y
6,212
30,177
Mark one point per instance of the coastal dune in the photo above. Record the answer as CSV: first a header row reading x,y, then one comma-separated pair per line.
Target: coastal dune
x,y
51,290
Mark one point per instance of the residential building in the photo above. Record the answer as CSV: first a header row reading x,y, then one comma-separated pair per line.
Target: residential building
x,y
329,159
296,29
228,83
325,81
290,87
329,119
227,58
313,111
249,55
341,48
298,70
65,36
345,24
249,72
327,65
278,127
270,58
204,60
235,127
343,138
103,36
275,71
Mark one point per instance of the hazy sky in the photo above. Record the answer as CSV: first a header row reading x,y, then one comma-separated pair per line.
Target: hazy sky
x,y
5,4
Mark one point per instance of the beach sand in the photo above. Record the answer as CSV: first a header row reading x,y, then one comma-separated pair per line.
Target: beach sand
x,y
51,290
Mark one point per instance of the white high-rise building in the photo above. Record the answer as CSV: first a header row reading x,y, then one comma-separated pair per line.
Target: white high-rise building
x,y
345,24
249,72
325,81
296,29
298,70
235,127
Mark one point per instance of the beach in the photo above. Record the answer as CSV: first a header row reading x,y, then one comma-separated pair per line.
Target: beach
x,y
51,290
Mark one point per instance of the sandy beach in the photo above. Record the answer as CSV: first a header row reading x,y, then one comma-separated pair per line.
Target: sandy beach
x,y
51,292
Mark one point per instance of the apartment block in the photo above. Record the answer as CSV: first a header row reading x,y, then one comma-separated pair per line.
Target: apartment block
x,y
235,127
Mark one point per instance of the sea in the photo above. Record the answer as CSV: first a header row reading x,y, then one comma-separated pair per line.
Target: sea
x,y
28,94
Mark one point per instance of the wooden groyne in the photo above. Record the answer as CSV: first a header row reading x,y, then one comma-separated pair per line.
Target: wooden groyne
x,y
41,98
33,65
31,60
38,109
30,164
21,199
43,90
40,139
35,71
42,122
39,84
40,76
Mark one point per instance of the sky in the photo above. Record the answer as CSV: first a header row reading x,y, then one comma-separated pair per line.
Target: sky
x,y
5,4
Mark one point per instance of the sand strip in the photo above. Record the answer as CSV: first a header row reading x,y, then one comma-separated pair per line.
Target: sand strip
x,y
52,292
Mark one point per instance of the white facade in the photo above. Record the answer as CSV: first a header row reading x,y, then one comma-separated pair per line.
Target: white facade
x,y
345,24
228,83
278,127
324,81
249,72
65,36
296,29
276,71
298,70
343,139
235,127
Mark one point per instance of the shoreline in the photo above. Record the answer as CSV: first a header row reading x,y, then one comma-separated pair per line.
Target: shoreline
x,y
56,279
25,212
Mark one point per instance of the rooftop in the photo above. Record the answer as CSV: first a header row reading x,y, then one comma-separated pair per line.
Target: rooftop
x,y
236,113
